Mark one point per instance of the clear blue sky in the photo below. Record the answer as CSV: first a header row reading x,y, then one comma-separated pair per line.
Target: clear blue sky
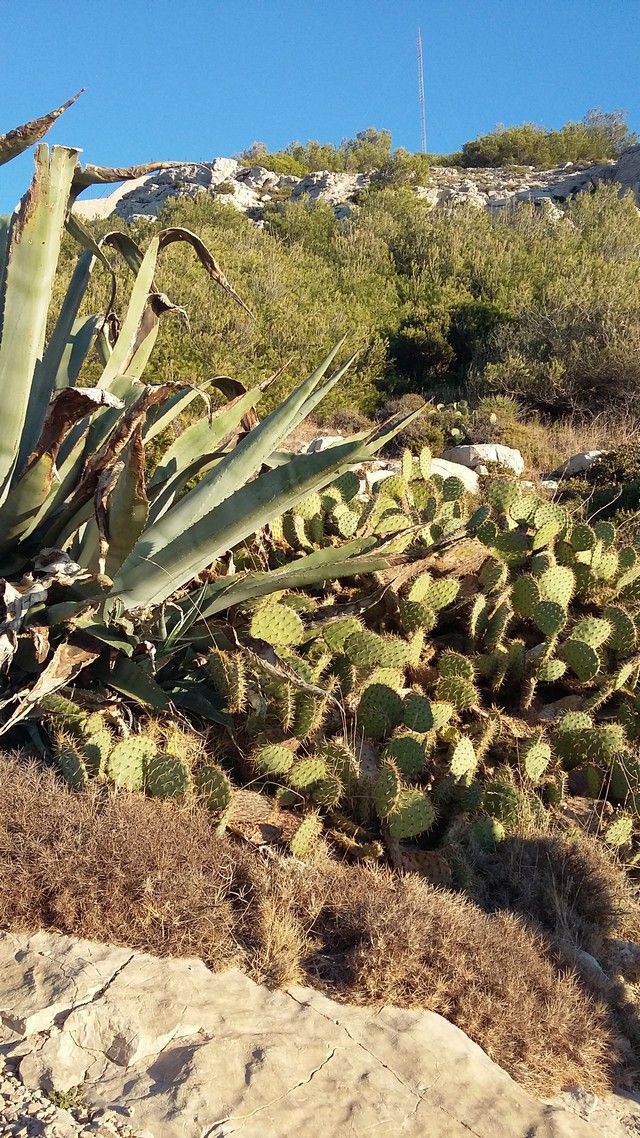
x,y
192,79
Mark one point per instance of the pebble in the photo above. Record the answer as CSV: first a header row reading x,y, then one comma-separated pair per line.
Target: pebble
x,y
26,1113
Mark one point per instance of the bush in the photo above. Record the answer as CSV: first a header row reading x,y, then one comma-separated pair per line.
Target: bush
x,y
597,137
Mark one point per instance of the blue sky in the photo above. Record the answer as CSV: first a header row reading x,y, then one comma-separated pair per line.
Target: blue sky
x,y
192,79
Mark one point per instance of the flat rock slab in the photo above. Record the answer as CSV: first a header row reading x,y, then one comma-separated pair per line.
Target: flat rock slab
x,y
186,1053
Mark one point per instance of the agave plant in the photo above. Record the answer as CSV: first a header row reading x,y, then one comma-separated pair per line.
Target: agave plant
x,y
73,477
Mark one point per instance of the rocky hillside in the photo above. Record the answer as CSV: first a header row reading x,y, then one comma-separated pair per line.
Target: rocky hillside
x,y
248,189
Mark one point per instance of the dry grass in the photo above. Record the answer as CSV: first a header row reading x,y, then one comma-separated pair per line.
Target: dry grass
x,y
546,446
152,876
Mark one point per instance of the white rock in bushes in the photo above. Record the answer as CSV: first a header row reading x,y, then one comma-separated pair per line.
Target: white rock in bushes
x,y
482,454
448,469
578,463
322,443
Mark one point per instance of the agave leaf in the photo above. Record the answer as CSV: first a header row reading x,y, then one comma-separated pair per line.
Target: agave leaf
x,y
50,373
32,257
129,679
33,487
154,570
240,465
314,569
22,137
128,507
202,438
89,175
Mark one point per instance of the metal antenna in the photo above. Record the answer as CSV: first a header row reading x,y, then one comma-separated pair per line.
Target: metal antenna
x,y
423,117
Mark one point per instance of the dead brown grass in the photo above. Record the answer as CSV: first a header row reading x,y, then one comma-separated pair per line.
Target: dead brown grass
x,y
152,876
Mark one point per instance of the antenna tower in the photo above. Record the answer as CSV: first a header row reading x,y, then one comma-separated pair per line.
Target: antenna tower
x,y
423,117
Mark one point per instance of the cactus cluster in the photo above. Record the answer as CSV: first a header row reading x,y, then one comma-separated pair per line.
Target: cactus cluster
x,y
85,747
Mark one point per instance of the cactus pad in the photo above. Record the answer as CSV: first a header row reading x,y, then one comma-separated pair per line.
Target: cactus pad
x,y
455,664
386,788
408,755
487,832
214,787
535,757
364,649
549,617
379,710
463,759
306,836
428,864
416,616
493,575
167,777
583,660
273,760
413,815
128,760
442,593
71,764
624,635
557,584
417,713
306,773
592,630
278,625
460,692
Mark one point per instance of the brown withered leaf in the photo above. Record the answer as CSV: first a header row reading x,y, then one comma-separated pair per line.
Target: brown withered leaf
x,y
22,137
66,663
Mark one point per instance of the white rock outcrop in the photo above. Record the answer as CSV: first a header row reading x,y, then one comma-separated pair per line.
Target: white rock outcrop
x,y
183,1053
577,464
479,455
248,188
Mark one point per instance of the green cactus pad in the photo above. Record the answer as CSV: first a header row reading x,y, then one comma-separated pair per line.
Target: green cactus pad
x,y
442,712
605,532
364,649
379,710
583,537
214,787
306,836
549,617
624,635
545,535
416,616
504,802
455,664
442,593
462,761
416,648
341,762
424,460
408,754
493,575
417,713
273,760
95,751
386,788
512,547
167,777
487,533
345,520
390,677
525,595
71,764
590,744
460,692
128,761
479,616
309,714
277,625
550,671
502,493
453,489
497,625
592,630
487,832
347,485
335,632
550,512
539,564
478,518
306,773
419,590
535,757
327,791
396,652
557,584
310,507
575,721
413,815
583,660
619,833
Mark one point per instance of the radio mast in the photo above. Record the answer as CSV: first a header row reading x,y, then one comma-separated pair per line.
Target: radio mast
x,y
423,117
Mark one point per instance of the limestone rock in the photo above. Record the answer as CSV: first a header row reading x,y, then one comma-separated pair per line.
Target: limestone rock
x,y
183,1052
485,454
577,464
447,469
324,442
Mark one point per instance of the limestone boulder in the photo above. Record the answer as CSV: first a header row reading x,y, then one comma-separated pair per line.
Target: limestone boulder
x,y
182,1052
447,469
577,464
486,454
